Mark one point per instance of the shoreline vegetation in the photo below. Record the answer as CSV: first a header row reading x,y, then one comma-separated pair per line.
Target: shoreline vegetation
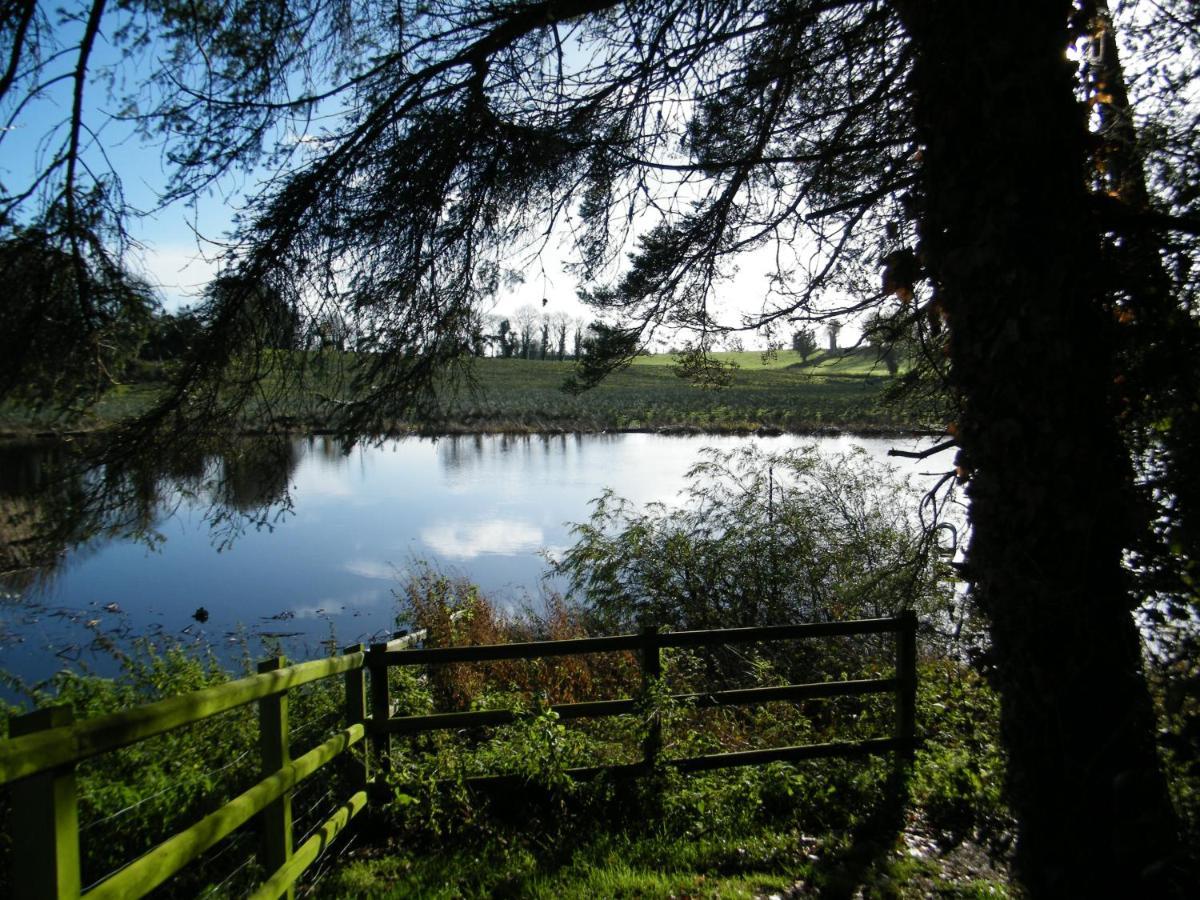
x,y
760,544
832,392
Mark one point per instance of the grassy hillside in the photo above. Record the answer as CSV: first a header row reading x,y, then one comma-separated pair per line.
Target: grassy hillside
x,y
861,361
527,394
843,391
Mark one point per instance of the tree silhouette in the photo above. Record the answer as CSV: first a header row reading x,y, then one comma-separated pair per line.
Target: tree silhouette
x,y
887,338
268,320
804,342
526,319
68,324
833,329
559,323
507,339
956,147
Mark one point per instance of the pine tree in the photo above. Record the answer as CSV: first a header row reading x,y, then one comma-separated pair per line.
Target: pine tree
x,y
954,146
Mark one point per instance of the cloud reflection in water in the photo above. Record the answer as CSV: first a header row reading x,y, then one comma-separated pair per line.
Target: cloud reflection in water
x,y
333,606
373,569
468,540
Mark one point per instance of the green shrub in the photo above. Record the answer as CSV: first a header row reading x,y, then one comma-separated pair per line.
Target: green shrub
x,y
761,539
958,779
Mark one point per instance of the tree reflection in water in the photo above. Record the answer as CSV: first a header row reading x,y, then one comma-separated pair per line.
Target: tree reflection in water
x,y
55,497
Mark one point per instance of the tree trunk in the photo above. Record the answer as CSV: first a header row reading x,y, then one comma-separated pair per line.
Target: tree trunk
x,y
1010,245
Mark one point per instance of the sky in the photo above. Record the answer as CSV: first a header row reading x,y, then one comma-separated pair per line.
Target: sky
x,y
172,256
178,246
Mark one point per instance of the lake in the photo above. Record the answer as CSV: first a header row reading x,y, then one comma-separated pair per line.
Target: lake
x,y
323,566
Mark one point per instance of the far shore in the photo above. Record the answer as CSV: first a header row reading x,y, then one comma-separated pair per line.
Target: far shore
x,y
828,395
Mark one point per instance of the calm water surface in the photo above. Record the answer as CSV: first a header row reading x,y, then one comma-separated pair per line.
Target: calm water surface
x,y
487,507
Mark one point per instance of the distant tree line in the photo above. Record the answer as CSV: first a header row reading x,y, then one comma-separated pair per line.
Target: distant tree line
x,y
526,334
531,334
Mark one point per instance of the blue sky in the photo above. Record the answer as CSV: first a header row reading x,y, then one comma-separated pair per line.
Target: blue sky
x,y
173,253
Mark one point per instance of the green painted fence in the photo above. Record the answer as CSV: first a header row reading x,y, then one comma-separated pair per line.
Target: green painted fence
x,y
44,746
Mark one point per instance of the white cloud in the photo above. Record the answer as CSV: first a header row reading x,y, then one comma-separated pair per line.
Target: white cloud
x,y
179,271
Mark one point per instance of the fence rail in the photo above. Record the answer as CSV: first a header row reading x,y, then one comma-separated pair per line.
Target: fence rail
x,y
649,644
69,744
44,746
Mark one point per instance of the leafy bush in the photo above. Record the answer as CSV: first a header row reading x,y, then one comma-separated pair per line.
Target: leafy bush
x,y
766,539
762,539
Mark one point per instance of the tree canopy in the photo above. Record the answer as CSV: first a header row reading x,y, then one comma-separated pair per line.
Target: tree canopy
x,y
997,182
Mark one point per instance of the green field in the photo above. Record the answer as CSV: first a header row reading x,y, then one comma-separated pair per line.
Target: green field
x,y
831,392
524,394
862,362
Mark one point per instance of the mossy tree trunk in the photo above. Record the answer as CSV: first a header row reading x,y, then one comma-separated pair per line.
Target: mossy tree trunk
x,y
1010,244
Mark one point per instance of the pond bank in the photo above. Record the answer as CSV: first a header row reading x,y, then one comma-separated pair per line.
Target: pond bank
x,y
526,397
18,434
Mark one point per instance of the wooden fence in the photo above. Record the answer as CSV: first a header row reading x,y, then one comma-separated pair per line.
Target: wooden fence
x,y
44,746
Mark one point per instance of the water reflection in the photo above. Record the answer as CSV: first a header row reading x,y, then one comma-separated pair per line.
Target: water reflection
x,y
467,540
374,569
295,538
55,501
256,474
466,457
45,512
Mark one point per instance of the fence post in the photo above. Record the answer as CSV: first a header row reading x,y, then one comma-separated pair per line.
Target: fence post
x,y
273,743
381,710
906,691
356,711
45,813
651,672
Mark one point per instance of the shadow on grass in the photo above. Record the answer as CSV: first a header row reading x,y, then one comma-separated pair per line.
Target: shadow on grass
x,y
616,839
865,856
